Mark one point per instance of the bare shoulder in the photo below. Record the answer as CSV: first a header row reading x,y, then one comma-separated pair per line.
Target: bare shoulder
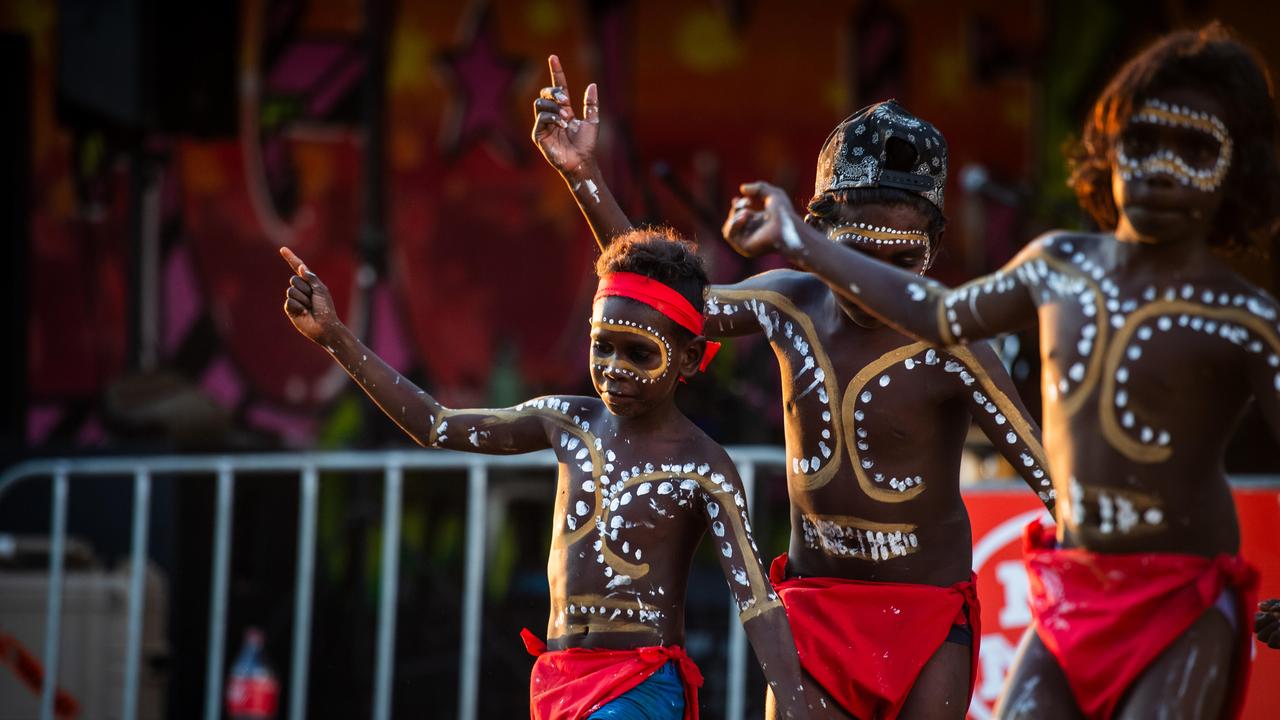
x,y
1239,292
1064,245
709,456
1219,269
797,286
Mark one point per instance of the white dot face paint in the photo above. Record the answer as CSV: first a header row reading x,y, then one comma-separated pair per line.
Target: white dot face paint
x,y
647,363
1135,159
866,235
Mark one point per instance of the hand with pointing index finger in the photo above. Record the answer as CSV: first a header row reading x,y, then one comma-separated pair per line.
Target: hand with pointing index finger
x,y
307,301
566,141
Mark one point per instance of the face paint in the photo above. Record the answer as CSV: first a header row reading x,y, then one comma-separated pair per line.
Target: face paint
x,y
857,233
615,361
1138,159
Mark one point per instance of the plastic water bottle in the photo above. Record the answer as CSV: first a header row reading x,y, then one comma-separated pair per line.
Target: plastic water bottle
x,y
252,689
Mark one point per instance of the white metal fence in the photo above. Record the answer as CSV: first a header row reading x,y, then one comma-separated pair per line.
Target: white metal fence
x,y
227,469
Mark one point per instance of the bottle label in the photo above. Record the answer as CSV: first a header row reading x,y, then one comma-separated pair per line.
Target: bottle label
x,y
252,696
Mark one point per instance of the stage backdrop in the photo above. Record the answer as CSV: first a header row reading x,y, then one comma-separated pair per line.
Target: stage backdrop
x,y
998,517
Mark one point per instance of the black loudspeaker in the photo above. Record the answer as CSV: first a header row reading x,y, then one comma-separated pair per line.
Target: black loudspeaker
x,y
148,65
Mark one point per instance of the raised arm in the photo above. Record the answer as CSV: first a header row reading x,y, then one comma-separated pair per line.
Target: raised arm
x,y
761,613
310,307
763,220
569,144
997,409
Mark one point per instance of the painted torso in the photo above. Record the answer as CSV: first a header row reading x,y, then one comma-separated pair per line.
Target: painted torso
x,y
629,514
875,426
1144,378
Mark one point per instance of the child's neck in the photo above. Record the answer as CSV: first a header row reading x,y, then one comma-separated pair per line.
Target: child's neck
x,y
658,420
847,313
1167,253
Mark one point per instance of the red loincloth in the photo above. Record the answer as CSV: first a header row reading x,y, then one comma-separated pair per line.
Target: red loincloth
x,y
1107,617
570,684
866,642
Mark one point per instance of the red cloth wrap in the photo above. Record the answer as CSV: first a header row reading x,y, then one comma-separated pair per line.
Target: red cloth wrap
x,y
1106,617
866,642
571,684
661,298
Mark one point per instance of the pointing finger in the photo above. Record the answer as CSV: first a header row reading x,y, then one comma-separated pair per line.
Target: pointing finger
x,y
294,261
557,72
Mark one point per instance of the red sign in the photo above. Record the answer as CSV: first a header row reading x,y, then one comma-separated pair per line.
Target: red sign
x,y
998,517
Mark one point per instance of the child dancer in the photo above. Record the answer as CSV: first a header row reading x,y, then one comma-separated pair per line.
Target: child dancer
x,y
877,580
1151,349
639,485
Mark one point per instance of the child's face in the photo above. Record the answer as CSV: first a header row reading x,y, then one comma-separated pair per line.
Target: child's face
x,y
1169,166
637,355
896,234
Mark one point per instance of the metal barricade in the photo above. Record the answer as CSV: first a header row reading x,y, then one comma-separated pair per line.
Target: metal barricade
x,y
308,466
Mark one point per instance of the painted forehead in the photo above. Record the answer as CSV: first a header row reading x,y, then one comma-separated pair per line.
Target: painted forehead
x,y
632,313
613,320
901,217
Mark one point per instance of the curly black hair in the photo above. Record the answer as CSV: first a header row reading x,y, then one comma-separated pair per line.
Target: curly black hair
x,y
661,254
823,207
1210,60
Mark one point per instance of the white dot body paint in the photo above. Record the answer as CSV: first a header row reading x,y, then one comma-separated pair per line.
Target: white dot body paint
x,y
789,235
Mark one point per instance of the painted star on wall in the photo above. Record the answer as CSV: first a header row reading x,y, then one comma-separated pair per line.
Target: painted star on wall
x,y
480,79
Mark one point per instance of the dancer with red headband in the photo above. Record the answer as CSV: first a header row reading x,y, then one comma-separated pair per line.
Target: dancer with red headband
x,y
639,485
876,580
1152,347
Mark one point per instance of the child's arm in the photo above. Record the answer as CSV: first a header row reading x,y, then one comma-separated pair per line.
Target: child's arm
x,y
759,609
763,220
569,144
997,409
524,428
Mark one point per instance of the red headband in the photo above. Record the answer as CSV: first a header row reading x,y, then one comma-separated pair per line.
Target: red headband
x,y
661,298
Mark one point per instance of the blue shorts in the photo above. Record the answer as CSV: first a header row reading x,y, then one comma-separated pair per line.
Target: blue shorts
x,y
659,697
